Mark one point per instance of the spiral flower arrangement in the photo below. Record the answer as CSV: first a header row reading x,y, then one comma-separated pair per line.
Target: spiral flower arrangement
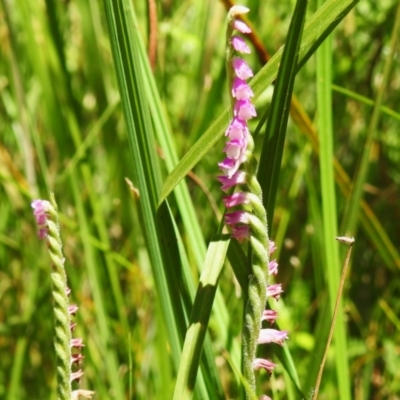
x,y
247,216
46,216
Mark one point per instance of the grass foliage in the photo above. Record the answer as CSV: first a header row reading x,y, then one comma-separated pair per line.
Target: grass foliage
x,y
117,107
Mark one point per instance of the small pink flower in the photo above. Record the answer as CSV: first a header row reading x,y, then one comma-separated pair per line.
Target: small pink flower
x,y
259,363
238,178
77,343
270,316
40,210
80,392
237,129
241,69
272,247
244,109
235,148
238,10
241,232
75,376
274,291
240,45
272,267
76,358
236,199
237,217
229,166
42,233
72,309
241,90
241,26
272,336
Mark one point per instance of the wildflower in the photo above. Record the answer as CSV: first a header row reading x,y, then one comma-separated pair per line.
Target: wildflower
x,y
259,363
237,129
238,178
47,220
272,336
270,316
73,309
241,69
75,376
240,45
41,209
272,267
80,392
240,232
237,199
237,217
246,216
244,109
77,343
274,291
272,246
241,26
241,90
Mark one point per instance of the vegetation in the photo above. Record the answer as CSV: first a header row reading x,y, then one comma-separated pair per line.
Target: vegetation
x,y
119,108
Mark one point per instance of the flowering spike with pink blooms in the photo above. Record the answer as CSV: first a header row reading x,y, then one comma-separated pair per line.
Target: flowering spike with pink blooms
x,y
46,216
246,216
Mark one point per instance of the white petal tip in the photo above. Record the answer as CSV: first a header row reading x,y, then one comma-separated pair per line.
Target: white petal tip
x,y
237,10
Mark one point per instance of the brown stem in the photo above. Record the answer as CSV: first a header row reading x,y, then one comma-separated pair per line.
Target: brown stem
x,y
349,242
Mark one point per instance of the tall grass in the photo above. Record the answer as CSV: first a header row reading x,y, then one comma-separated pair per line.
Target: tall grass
x,y
130,144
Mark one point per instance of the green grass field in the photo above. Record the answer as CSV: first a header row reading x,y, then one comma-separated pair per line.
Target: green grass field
x,y
119,107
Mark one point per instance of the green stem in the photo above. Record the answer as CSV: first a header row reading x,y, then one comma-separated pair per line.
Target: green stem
x,y
62,340
257,290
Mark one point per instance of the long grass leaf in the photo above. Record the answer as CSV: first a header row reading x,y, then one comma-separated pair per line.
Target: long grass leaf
x,y
329,216
146,170
272,150
197,329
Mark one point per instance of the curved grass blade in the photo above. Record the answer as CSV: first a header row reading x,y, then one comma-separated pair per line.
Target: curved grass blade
x,y
199,318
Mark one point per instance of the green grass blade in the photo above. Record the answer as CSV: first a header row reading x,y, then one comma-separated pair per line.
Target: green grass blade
x,y
146,170
190,221
365,100
184,202
329,216
157,224
197,329
272,151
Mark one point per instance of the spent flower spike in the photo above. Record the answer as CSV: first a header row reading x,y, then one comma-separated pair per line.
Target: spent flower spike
x,y
246,216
